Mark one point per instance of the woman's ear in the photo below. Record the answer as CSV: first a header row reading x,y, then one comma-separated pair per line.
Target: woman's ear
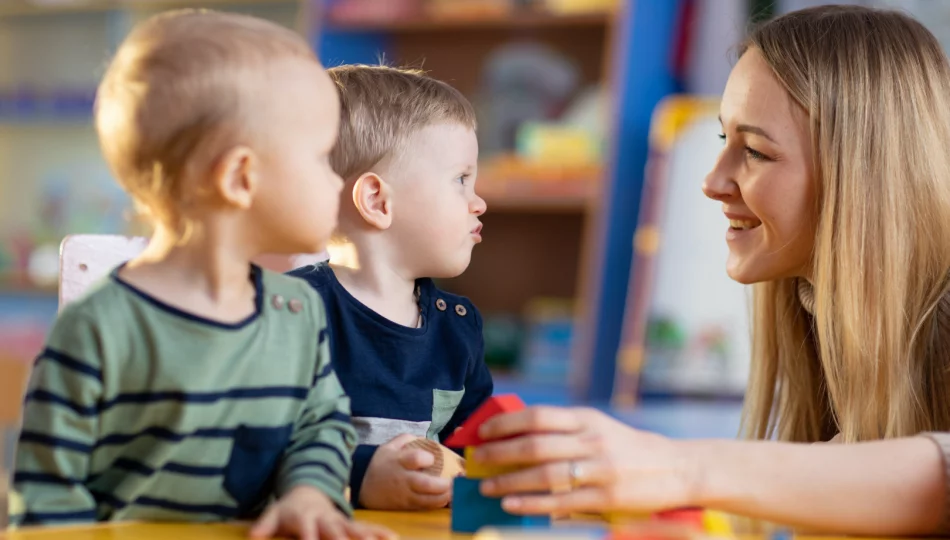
x,y
372,197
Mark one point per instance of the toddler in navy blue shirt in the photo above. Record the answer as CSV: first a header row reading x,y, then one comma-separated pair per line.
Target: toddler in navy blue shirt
x,y
409,354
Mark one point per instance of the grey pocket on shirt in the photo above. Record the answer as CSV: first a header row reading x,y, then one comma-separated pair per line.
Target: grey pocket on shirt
x,y
444,403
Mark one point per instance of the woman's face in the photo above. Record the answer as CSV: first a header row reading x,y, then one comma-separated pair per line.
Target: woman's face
x,y
763,176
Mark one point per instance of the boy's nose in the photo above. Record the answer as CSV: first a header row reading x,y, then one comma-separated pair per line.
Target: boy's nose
x,y
478,206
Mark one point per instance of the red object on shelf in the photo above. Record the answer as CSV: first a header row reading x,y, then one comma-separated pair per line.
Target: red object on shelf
x,y
372,11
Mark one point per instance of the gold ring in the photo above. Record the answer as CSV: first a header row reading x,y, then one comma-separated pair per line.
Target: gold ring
x,y
574,472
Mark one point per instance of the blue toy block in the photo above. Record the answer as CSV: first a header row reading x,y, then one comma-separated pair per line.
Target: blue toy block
x,y
471,510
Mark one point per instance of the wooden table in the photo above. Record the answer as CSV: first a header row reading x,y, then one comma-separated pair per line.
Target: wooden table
x,y
409,526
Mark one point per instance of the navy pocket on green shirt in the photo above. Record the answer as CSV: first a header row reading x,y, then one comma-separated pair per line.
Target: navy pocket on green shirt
x,y
444,403
252,467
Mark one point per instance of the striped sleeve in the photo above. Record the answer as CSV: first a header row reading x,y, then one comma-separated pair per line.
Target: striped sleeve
x,y
322,444
60,422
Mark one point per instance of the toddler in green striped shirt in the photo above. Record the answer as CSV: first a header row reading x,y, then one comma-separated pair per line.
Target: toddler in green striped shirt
x,y
188,384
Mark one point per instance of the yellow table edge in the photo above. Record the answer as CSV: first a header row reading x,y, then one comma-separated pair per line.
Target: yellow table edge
x,y
409,525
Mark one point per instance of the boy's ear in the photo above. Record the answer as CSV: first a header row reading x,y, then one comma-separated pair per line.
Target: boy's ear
x,y
236,177
372,197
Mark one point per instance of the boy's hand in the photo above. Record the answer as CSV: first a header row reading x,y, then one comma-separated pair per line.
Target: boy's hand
x,y
308,514
395,479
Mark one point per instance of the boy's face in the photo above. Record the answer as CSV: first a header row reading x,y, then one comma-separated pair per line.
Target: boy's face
x,y
435,208
297,121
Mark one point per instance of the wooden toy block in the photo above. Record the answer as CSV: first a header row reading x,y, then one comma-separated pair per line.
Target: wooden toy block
x,y
471,510
447,464
467,433
475,469
687,516
717,524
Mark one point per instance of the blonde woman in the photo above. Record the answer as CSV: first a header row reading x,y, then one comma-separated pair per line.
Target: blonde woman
x,y
835,179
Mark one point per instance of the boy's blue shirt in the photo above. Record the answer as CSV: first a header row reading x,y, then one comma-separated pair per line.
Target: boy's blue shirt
x,y
424,381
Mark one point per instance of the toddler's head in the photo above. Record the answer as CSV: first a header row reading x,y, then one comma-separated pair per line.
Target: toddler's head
x,y
221,120
409,155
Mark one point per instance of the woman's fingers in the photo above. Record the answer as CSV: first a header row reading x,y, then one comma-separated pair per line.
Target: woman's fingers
x,y
534,449
589,499
532,420
554,476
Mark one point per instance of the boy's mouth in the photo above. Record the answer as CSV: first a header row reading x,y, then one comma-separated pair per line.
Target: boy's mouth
x,y
477,233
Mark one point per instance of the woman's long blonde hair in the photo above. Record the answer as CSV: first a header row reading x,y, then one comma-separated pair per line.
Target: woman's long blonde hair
x,y
874,361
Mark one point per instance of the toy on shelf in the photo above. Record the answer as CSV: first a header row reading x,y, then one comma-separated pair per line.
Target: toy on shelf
x,y
470,509
468,9
371,11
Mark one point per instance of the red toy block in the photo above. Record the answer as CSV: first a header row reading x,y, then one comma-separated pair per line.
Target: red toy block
x,y
467,433
622,535
687,516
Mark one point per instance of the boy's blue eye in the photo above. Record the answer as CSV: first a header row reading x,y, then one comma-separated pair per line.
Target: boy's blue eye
x,y
462,179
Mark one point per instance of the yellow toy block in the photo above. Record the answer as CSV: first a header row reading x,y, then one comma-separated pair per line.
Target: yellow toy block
x,y
474,469
717,524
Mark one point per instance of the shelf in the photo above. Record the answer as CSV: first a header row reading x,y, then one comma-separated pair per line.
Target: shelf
x,y
509,186
49,7
10,287
66,106
493,21
515,196
42,293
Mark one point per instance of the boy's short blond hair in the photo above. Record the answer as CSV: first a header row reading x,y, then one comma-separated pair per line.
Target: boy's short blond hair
x,y
175,97
381,106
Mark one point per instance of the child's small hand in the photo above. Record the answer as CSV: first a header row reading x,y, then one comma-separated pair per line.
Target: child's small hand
x,y
308,514
395,481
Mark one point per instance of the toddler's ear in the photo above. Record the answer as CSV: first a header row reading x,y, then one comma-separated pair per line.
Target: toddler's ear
x,y
372,197
236,177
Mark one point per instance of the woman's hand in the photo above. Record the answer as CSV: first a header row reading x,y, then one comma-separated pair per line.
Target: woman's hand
x,y
583,460
895,487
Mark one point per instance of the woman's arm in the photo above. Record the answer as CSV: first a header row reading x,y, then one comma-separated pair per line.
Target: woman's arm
x,y
894,487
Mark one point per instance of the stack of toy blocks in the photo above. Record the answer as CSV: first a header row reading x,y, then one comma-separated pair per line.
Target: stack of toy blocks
x,y
470,509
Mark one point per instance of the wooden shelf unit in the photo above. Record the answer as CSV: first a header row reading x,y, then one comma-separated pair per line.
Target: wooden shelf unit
x,y
52,7
497,21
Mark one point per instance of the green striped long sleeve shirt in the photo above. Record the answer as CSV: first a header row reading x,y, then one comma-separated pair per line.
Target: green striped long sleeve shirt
x,y
138,410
